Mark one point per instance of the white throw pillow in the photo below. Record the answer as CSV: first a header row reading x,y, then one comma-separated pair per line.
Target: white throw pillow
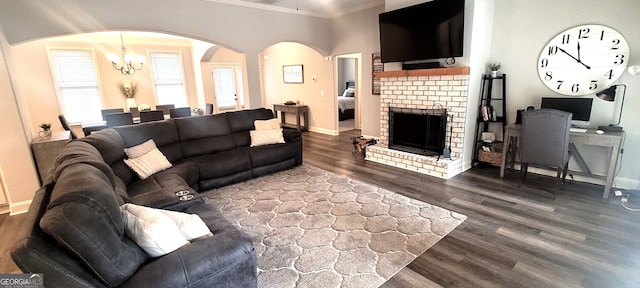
x,y
267,124
148,164
141,149
264,137
153,231
191,226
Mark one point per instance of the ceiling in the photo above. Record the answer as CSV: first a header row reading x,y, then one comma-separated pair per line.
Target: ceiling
x,y
318,8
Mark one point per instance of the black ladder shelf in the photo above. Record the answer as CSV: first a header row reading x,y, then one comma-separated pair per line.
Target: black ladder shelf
x,y
493,119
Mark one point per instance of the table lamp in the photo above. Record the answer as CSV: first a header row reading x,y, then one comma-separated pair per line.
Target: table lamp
x,y
609,95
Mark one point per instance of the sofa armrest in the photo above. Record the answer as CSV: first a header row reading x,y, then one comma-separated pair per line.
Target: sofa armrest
x,y
182,205
225,259
291,135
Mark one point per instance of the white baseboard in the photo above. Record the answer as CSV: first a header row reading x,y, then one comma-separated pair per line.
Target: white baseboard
x,y
619,182
19,207
324,131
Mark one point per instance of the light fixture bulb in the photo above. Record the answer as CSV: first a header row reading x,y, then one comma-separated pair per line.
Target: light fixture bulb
x,y
113,58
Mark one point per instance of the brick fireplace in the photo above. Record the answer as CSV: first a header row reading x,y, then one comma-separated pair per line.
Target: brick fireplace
x,y
423,89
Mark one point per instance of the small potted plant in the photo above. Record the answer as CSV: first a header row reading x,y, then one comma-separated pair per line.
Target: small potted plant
x,y
494,67
46,131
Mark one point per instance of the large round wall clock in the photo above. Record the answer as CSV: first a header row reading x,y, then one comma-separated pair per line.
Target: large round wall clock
x,y
583,60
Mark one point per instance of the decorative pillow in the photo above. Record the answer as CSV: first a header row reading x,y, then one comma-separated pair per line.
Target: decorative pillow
x,y
191,226
267,124
153,231
264,137
141,149
350,92
148,164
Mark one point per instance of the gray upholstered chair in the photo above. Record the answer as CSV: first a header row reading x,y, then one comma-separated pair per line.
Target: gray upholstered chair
x,y
165,108
118,119
135,113
66,126
110,111
152,115
180,112
545,140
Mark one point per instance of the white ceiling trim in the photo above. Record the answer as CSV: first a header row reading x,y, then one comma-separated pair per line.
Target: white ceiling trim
x,y
299,12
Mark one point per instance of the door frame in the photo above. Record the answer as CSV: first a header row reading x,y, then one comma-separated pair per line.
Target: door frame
x,y
358,90
238,86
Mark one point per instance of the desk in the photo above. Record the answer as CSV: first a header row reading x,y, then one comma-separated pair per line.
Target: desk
x,y
299,110
46,150
609,139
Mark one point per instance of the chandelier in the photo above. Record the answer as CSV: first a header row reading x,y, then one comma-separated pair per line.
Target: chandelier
x,y
127,66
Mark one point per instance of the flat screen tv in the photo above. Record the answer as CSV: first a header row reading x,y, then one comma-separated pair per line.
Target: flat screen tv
x,y
430,30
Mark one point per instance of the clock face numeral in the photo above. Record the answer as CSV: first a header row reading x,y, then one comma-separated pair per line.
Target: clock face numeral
x,y
616,44
583,60
609,74
584,33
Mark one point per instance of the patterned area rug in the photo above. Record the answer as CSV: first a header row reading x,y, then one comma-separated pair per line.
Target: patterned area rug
x,y
314,228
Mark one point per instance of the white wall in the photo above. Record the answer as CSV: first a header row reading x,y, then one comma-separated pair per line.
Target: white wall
x,y
240,28
20,178
520,31
358,32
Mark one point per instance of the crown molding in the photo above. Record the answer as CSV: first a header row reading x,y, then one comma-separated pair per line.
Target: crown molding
x,y
297,11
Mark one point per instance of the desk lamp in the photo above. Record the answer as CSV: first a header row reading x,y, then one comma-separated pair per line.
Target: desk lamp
x,y
609,95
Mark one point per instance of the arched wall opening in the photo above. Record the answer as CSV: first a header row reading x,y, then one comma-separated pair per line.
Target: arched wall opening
x,y
316,91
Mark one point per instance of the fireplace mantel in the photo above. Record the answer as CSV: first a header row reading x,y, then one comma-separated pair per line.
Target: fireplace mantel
x,y
424,72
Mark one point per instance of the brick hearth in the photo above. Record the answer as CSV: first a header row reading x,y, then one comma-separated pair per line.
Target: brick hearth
x,y
423,89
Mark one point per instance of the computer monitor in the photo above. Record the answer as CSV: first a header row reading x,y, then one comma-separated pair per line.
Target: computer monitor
x,y
578,106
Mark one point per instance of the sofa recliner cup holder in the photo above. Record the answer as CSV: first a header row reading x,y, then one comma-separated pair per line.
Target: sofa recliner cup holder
x,y
182,193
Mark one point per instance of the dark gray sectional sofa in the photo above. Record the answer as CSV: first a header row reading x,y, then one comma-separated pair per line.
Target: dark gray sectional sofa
x,y
74,233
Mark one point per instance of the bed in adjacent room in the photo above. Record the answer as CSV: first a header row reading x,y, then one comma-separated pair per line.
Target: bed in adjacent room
x,y
347,103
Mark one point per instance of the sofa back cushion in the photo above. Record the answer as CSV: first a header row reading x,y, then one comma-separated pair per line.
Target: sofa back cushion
x,y
82,152
110,145
163,133
241,122
84,217
204,134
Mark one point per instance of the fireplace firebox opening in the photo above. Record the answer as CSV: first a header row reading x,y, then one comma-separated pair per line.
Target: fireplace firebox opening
x,y
418,131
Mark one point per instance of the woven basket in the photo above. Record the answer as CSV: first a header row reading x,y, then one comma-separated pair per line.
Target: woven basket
x,y
492,157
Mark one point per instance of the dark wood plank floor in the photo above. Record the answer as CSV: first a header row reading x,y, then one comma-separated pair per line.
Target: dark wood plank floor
x,y
513,236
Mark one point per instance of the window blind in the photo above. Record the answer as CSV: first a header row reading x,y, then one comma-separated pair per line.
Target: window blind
x,y
77,83
168,78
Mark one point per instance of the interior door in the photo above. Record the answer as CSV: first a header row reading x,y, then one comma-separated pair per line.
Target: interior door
x,y
228,87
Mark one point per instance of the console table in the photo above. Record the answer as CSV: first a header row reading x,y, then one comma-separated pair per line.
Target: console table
x,y
611,140
299,110
46,150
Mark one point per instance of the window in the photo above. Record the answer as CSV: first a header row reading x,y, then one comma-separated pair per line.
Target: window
x,y
168,78
77,82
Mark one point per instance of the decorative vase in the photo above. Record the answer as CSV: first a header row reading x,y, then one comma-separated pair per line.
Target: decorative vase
x,y
45,134
494,74
131,102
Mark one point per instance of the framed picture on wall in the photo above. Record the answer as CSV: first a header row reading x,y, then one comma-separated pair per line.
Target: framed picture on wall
x,y
292,74
377,66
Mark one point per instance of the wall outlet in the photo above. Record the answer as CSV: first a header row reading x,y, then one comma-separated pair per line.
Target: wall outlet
x,y
618,193
322,93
